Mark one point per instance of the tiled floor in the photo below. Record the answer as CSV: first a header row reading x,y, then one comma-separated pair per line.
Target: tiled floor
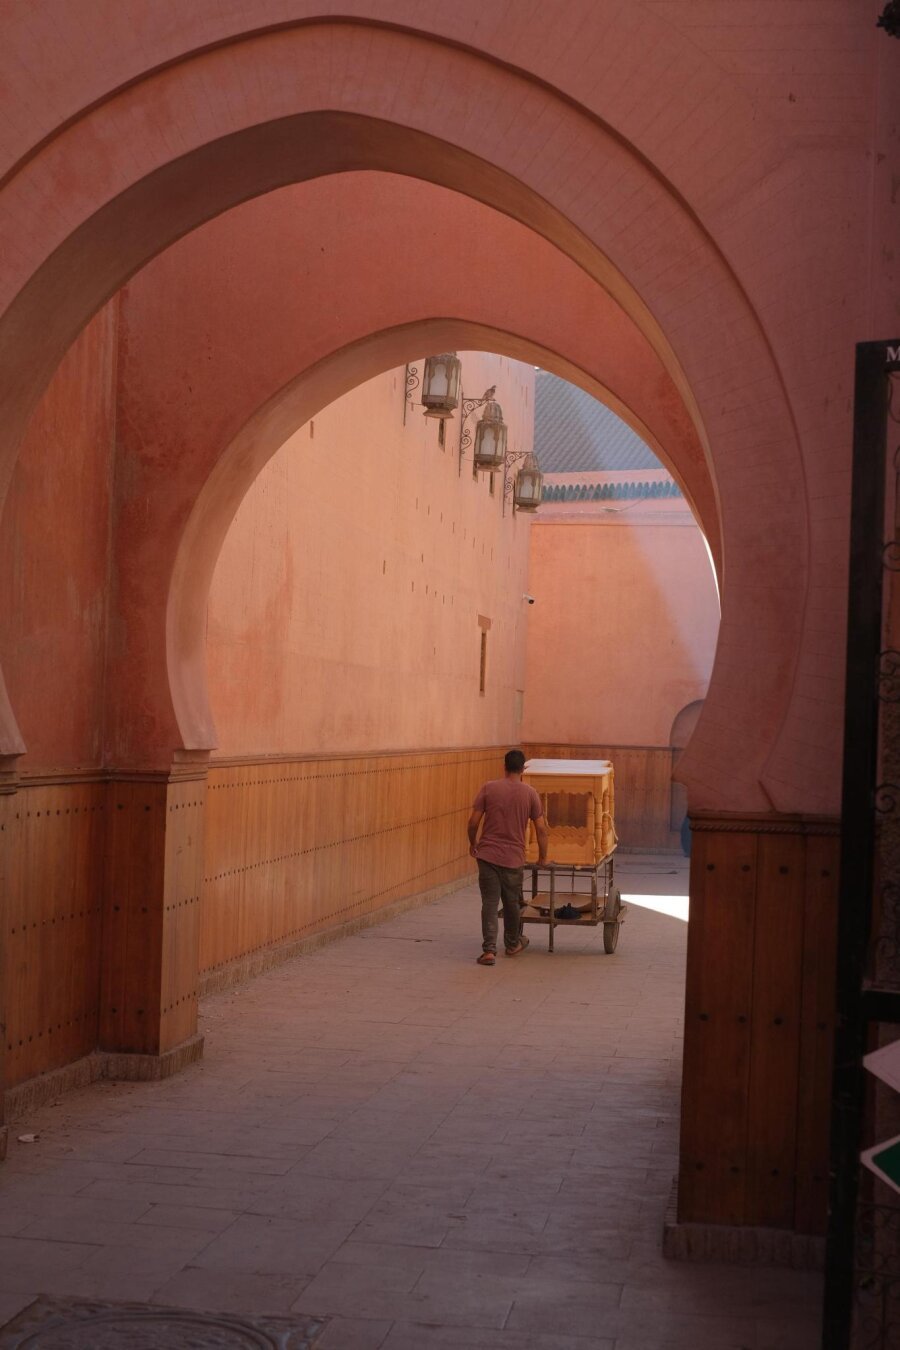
x,y
433,1154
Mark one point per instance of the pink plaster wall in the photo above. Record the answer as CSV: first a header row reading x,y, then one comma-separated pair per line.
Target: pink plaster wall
x,y
54,538
623,630
344,611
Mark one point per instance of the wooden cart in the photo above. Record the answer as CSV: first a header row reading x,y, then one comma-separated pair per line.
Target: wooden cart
x,y
577,887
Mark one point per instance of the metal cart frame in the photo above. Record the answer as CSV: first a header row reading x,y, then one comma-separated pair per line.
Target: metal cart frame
x,y
604,900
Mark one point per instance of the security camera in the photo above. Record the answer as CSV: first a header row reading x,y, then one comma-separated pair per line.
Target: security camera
x,y
529,599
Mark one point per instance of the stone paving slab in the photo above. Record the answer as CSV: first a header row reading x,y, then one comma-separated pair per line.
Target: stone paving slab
x,y
430,1154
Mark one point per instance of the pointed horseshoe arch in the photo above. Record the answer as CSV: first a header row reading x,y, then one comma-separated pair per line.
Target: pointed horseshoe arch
x,y
188,141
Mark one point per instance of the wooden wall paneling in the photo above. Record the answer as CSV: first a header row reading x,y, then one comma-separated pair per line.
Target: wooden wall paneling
x,y
294,839
251,916
150,949
297,846
337,856
271,878
419,810
274,855
396,830
255,902
256,894
131,962
10,909
219,839
85,890
361,807
52,924
816,1031
219,842
289,845
375,856
282,846
383,792
180,918
388,789
712,1179
775,1039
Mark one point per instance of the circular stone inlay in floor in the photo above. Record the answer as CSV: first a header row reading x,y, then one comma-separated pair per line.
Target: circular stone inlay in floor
x,y
75,1325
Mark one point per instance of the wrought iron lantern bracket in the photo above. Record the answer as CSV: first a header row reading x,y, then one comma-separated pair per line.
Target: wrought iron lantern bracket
x,y
410,385
509,480
466,407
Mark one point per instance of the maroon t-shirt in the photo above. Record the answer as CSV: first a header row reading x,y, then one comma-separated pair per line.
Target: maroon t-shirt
x,y
508,805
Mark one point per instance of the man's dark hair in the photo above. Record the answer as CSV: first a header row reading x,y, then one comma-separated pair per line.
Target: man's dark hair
x,y
514,761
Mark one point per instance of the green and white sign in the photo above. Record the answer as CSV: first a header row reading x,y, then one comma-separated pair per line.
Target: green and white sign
x,y
884,1161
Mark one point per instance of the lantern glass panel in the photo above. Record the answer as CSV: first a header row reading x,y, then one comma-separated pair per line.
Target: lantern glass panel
x,y
490,438
440,384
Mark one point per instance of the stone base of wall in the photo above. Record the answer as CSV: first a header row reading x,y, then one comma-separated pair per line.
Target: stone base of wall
x,y
36,1092
46,1087
727,1244
153,1068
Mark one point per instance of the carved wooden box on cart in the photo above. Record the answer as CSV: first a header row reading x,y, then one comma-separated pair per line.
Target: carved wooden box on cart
x,y
577,886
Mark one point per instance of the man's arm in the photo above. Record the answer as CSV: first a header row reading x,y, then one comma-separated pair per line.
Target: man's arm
x,y
475,820
543,839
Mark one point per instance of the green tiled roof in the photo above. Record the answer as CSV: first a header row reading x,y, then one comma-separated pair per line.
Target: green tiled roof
x,y
601,492
573,433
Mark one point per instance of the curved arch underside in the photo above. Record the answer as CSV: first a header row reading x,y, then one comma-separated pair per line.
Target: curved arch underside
x,y
230,370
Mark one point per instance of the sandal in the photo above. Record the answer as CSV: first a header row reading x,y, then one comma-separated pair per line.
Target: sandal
x,y
519,947
487,959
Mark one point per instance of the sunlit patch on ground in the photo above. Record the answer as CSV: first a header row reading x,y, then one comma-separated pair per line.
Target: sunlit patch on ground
x,y
676,906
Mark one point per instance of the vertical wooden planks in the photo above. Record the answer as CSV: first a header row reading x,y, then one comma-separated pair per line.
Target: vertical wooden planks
x,y
150,953
296,846
180,917
10,905
131,962
755,1090
52,921
816,1030
775,1046
713,1173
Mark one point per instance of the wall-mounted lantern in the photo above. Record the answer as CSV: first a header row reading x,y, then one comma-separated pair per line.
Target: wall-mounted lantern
x,y
528,488
490,438
440,385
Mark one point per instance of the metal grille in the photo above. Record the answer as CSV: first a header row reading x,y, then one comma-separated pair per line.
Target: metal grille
x,y
862,1295
877,1291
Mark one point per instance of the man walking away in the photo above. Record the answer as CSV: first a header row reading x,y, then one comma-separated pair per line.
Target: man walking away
x,y
505,805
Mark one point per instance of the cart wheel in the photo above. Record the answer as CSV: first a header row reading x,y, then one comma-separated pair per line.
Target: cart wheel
x,y
611,929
